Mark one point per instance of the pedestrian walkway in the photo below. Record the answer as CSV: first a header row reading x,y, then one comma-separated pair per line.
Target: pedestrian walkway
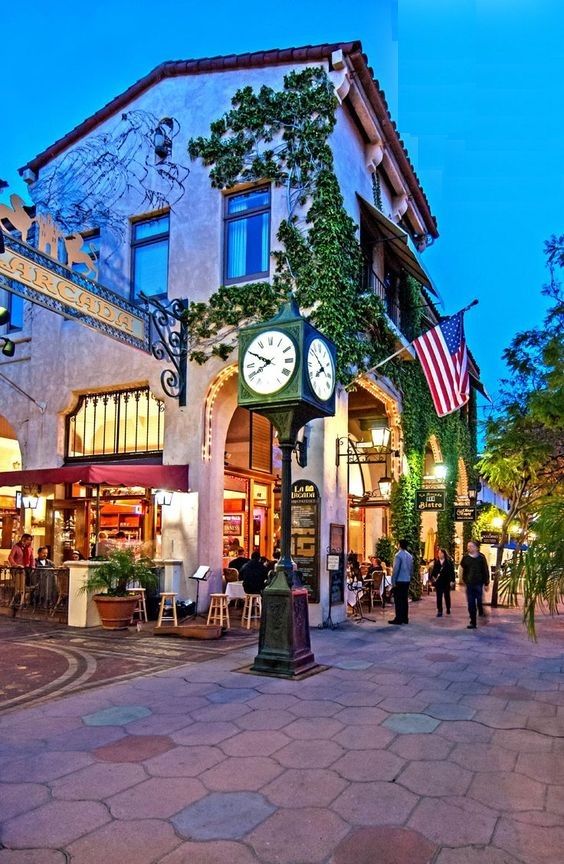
x,y
425,744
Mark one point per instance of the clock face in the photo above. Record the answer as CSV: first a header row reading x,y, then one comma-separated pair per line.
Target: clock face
x,y
320,369
269,362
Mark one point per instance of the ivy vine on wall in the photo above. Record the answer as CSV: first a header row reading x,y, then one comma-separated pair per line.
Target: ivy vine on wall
x,y
282,136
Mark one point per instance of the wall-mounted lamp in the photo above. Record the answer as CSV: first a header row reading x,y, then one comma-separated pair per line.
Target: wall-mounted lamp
x,y
385,486
301,446
8,347
381,434
163,497
30,497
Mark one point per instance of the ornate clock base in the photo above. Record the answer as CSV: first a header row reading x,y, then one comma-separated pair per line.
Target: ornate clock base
x,y
284,643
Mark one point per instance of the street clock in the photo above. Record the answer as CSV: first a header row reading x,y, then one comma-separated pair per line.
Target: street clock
x,y
287,370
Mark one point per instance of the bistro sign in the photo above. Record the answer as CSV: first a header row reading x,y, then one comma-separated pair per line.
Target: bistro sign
x,y
430,499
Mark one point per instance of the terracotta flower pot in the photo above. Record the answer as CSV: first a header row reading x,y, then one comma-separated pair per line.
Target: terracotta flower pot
x,y
115,612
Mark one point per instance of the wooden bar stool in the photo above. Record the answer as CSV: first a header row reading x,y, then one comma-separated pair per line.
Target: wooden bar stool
x,y
141,608
167,597
251,610
219,610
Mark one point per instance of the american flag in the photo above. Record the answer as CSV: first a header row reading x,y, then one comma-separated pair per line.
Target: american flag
x,y
443,355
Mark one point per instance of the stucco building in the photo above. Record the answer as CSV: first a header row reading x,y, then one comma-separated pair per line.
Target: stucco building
x,y
153,223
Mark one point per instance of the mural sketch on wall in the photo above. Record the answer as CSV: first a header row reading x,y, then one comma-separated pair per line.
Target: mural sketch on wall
x,y
135,158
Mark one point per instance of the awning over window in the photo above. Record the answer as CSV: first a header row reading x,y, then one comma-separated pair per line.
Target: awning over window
x,y
384,229
170,477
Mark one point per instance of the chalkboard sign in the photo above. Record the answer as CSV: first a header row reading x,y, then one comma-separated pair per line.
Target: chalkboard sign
x,y
336,558
305,535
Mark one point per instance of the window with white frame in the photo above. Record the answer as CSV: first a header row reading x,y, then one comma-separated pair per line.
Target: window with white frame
x,y
247,235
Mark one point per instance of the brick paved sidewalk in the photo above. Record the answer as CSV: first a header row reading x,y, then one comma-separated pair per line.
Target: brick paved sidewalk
x,y
419,744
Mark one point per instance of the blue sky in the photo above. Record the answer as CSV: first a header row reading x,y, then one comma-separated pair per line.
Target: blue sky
x,y
475,86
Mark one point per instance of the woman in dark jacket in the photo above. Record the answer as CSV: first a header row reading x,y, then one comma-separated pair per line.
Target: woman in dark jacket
x,y
442,575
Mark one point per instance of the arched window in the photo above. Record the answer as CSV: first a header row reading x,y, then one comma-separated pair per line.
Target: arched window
x,y
125,423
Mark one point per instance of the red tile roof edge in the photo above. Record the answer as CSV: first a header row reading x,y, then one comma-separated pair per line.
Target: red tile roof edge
x,y
304,54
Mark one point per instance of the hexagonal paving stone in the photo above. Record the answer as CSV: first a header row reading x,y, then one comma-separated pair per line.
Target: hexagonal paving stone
x,y
304,836
464,730
454,822
137,840
17,798
509,791
369,765
265,719
43,767
315,708
211,852
222,815
298,788
408,724
449,711
421,747
204,733
483,757
307,729
538,844
385,846
361,716
156,798
360,738
183,761
241,773
134,748
254,743
353,664
32,856
375,803
541,766
476,855
54,824
435,778
97,781
227,696
118,716
309,754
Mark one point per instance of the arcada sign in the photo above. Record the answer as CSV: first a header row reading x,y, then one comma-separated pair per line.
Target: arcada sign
x,y
36,276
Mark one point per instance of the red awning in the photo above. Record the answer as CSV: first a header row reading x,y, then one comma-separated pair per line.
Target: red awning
x,y
171,477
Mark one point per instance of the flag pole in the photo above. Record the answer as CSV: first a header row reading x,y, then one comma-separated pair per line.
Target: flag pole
x,y
405,347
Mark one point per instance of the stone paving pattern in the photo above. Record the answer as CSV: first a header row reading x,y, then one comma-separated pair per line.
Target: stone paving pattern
x,y
426,744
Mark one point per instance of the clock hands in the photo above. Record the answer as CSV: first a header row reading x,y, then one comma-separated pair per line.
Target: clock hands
x,y
260,357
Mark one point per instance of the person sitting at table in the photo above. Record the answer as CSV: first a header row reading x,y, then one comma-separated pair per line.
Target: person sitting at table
x,y
240,560
254,575
42,560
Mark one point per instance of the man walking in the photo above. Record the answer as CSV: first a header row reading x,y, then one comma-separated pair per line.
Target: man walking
x,y
476,577
401,577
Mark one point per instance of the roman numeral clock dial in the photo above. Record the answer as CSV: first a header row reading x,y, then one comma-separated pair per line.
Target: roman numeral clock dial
x,y
269,362
320,370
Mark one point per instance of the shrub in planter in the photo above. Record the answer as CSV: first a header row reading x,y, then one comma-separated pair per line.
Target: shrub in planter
x,y
110,582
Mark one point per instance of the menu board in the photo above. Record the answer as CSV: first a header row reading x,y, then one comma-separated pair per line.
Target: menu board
x,y
336,557
305,535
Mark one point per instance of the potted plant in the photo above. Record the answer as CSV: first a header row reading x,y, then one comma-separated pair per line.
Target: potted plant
x,y
110,582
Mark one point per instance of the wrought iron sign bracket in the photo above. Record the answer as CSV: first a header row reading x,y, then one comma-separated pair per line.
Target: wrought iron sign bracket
x,y
170,344
357,455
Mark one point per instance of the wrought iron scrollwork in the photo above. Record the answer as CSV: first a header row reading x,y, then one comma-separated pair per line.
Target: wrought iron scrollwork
x,y
170,344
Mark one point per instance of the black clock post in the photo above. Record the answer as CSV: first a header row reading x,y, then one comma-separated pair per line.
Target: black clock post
x,y
287,374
